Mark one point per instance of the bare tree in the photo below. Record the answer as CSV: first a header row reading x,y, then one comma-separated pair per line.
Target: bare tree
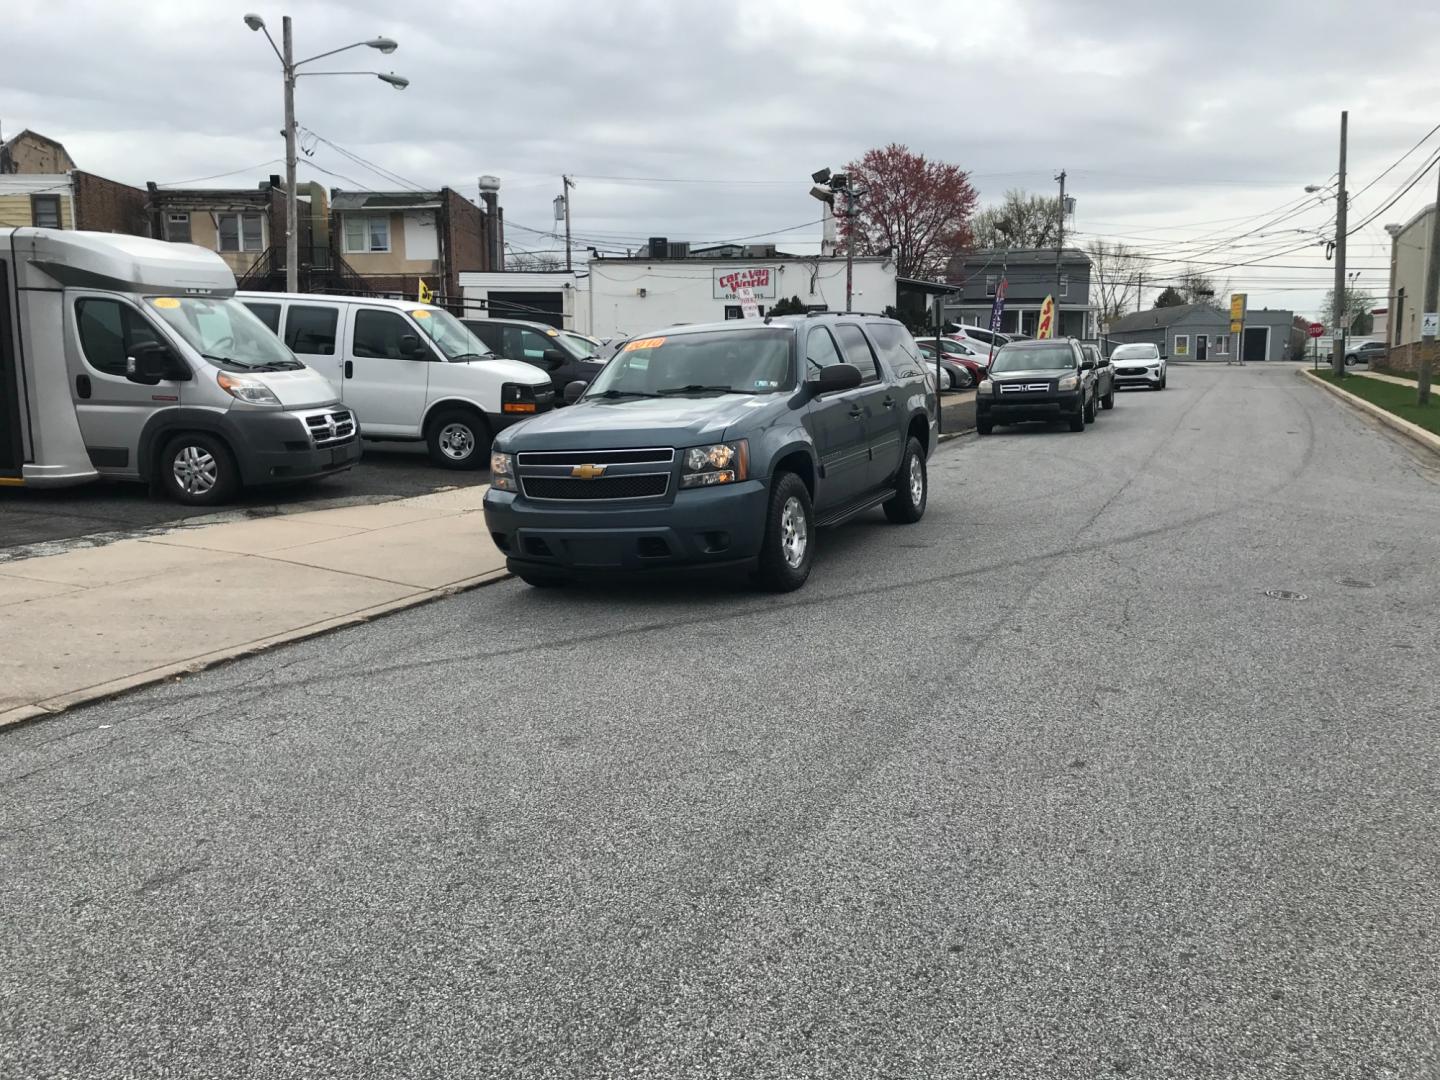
x,y
1198,287
533,260
1021,221
1115,273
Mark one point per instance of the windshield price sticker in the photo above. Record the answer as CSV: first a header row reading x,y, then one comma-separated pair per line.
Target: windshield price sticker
x,y
645,343
420,314
165,302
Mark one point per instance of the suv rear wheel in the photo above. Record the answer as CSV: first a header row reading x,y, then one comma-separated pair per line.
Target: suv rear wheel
x,y
912,488
788,549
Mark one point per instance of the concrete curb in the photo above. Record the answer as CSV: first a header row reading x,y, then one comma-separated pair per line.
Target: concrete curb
x,y
1413,432
24,714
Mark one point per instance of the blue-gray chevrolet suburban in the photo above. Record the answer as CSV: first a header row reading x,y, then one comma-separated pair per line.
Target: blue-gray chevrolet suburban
x,y
724,444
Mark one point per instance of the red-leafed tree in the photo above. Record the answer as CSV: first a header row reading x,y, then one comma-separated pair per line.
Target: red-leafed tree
x,y
915,210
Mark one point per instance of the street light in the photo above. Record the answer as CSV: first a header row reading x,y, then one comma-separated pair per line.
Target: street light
x,y
289,65
827,186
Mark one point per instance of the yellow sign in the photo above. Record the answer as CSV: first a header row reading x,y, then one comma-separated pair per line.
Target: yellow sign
x,y
1235,327
1237,306
166,302
424,292
1046,329
644,343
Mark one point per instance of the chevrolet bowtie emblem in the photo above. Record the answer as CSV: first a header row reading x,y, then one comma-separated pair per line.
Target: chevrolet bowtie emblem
x,y
588,472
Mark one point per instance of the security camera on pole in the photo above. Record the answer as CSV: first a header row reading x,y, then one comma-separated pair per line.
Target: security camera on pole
x,y
288,65
827,185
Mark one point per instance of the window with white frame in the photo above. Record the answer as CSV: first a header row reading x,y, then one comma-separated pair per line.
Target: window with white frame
x,y
240,232
1222,344
365,234
1182,344
1064,284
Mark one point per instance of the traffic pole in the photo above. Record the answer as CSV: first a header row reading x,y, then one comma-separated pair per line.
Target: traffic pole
x,y
1337,361
1432,304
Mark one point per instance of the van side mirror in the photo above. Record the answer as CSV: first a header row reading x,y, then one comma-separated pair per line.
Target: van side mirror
x,y
150,362
836,377
573,391
409,346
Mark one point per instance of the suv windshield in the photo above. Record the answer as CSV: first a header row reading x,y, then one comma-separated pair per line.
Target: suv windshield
x,y
684,365
450,334
1135,352
1055,357
224,331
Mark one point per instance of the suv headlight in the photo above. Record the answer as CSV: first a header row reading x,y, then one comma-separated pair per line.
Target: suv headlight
x,y
244,388
987,387
1069,382
721,463
502,472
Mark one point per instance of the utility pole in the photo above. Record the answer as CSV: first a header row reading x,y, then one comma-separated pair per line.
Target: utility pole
x,y
292,232
1432,301
1337,358
850,253
568,185
1139,291
1059,248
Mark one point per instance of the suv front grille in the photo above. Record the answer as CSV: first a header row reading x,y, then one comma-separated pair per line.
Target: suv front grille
x,y
330,428
633,486
648,456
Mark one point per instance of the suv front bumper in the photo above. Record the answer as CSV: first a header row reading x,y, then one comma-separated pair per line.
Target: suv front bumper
x,y
1142,377
1037,407
717,526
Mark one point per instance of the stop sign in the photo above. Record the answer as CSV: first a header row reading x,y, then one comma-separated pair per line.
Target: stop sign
x,y
1317,329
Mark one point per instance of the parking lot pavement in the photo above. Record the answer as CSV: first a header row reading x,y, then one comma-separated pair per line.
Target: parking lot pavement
x,y
1043,785
107,511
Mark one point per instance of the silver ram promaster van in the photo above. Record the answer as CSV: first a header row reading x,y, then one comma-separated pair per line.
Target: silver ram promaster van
x,y
127,357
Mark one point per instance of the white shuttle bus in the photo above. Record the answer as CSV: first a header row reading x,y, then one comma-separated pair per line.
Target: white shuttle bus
x,y
126,357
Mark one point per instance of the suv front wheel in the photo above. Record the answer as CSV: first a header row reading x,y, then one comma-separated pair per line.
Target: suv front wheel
x,y
788,549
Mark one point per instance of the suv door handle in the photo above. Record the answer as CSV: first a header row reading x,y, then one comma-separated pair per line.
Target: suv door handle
x,y
856,412
889,402
82,386
349,369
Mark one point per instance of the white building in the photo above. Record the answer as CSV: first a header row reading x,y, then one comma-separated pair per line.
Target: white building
x,y
629,296
618,297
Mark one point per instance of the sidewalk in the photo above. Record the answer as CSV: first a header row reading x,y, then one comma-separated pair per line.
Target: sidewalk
x,y
1387,378
91,623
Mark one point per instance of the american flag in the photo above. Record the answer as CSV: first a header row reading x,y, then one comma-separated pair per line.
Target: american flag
x,y
997,309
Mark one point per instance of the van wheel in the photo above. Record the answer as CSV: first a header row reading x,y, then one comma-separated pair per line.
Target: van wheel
x,y
458,439
787,550
198,470
913,489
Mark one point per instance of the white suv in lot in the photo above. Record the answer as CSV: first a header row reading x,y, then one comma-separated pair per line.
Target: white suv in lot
x,y
1138,365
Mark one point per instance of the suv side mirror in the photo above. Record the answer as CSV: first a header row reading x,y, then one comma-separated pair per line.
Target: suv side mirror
x,y
553,358
836,377
1087,364
149,362
573,390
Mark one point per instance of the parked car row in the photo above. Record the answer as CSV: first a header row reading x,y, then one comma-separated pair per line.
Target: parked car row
x,y
1056,380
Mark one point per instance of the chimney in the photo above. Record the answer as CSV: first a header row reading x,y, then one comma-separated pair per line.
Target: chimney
x,y
495,242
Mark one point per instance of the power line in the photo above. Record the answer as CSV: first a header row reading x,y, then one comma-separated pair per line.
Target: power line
x,y
218,176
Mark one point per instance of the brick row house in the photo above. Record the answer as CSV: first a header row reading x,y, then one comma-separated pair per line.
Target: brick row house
x,y
382,242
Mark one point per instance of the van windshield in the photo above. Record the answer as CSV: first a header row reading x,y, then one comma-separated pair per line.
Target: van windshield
x,y
225,332
452,337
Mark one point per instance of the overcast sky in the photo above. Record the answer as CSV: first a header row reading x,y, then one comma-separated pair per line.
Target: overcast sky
x,y
1180,127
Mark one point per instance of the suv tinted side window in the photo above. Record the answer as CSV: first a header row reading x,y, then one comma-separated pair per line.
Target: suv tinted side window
x,y
857,351
311,330
820,351
109,330
489,333
896,347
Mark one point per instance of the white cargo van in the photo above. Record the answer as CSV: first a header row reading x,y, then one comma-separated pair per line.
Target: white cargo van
x,y
410,371
127,357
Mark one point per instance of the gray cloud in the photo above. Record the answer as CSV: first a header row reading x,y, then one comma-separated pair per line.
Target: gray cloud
x,y
1163,117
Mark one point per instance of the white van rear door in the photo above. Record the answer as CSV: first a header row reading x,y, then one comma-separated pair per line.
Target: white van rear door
x,y
387,371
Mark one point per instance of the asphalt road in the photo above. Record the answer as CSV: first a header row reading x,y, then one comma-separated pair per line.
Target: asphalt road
x,y
1044,785
107,511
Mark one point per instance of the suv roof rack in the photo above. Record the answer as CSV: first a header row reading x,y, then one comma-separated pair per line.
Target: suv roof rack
x,y
867,314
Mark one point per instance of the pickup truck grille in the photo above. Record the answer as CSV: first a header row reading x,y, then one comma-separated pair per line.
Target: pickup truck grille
x,y
632,486
329,428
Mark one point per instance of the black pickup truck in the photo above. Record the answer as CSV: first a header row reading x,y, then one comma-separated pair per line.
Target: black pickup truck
x,y
725,444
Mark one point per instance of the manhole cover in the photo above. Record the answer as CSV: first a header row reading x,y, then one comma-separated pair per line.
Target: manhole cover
x,y
1285,594
1356,583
